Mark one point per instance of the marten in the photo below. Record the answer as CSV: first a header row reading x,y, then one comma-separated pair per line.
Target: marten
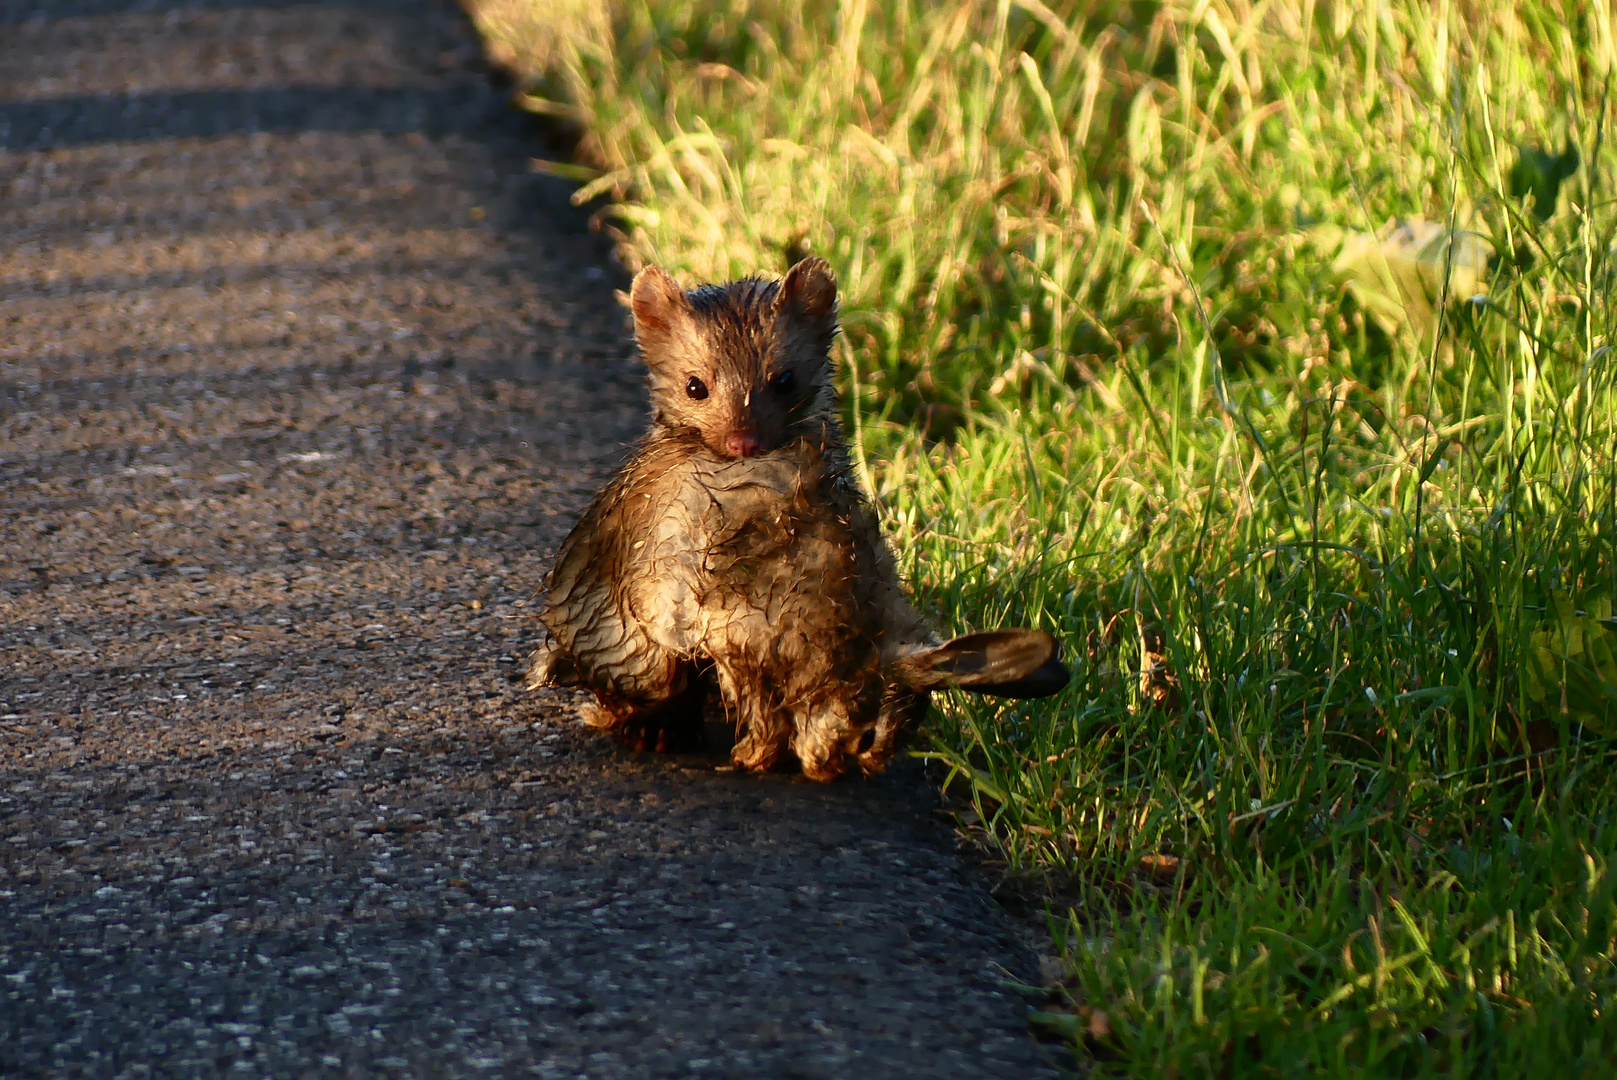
x,y
735,548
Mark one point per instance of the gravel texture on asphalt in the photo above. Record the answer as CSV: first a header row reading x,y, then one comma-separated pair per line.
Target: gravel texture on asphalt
x,y
302,377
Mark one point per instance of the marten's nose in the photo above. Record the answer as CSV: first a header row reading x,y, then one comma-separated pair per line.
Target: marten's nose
x,y
743,444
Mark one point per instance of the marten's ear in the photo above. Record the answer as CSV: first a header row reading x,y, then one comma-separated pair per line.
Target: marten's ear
x,y
808,296
660,309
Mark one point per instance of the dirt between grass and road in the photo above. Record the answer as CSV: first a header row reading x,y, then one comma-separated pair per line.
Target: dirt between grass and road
x,y
303,375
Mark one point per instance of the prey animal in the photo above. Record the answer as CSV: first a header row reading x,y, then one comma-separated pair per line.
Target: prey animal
x,y
735,549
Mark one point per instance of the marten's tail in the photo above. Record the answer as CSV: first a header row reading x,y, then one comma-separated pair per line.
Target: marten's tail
x,y
1007,663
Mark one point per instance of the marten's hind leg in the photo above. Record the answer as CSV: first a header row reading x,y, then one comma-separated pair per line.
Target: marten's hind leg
x,y
670,725
662,714
902,709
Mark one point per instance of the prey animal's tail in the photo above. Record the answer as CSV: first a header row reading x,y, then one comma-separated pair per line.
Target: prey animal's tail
x,y
1006,663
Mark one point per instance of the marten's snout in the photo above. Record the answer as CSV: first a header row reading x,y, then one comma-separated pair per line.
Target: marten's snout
x,y
743,444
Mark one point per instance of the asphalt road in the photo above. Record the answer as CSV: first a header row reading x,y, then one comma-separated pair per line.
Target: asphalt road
x,y
302,377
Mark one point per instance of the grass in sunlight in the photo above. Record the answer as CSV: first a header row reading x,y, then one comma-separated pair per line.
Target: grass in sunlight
x,y
1262,351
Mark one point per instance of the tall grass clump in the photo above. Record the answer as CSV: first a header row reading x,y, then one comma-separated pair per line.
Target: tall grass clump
x,y
1262,350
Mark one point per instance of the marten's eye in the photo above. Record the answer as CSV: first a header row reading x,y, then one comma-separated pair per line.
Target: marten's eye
x,y
695,388
781,382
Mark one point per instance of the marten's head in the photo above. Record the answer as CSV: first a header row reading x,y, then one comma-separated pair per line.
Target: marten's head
x,y
746,365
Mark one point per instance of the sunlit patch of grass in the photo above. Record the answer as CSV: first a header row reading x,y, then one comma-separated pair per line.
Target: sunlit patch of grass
x,y
1261,350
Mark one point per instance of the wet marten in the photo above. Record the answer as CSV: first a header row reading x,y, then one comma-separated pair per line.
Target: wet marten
x,y
735,548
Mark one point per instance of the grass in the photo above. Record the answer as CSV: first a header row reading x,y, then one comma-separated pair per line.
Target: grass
x,y
1262,350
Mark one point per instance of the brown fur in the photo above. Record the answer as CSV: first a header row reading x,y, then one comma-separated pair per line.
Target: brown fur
x,y
735,546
